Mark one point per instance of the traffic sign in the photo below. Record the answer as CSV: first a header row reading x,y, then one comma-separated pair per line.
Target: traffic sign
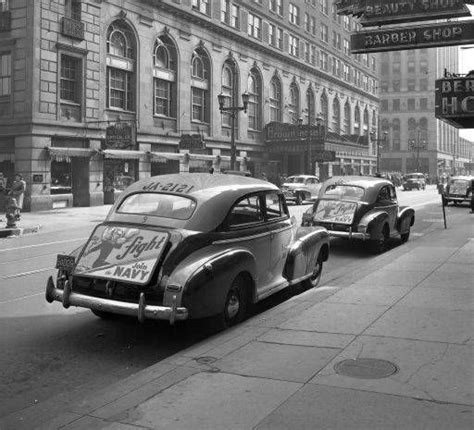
x,y
425,36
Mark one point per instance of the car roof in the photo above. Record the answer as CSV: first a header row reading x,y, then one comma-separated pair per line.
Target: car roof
x,y
214,195
466,177
302,176
371,184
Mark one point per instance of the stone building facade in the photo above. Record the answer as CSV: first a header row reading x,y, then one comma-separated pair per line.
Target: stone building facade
x,y
97,94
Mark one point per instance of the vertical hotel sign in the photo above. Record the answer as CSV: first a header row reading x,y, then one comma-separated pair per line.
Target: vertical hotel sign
x,y
454,101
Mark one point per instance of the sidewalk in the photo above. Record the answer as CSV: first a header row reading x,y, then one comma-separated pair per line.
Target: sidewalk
x,y
404,324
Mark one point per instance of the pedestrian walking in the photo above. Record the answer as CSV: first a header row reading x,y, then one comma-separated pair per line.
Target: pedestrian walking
x,y
17,190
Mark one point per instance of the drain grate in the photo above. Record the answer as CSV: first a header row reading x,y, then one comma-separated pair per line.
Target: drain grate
x,y
366,368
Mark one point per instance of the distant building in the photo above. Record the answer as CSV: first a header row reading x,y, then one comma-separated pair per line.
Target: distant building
x,y
95,95
416,140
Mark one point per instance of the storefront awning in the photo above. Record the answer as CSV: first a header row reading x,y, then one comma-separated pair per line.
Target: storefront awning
x,y
162,157
65,154
123,154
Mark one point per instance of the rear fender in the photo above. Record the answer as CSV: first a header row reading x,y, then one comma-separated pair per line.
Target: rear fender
x,y
309,243
201,281
403,213
373,222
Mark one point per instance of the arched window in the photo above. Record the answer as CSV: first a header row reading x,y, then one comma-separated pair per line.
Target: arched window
x,y
200,77
310,107
164,84
336,116
347,118
357,121
294,103
325,108
385,128
255,100
121,79
365,125
374,120
229,89
275,99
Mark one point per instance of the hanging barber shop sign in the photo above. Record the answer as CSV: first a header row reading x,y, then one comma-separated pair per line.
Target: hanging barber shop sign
x,y
454,100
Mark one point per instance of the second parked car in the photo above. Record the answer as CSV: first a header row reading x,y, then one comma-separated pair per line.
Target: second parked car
x,y
363,208
458,190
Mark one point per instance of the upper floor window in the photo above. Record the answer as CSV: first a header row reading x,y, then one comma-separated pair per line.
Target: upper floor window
x,y
255,100
277,6
69,83
324,6
121,79
254,26
275,36
294,103
411,83
293,46
164,83
423,84
4,5
275,99
230,13
202,6
312,25
200,94
294,14
73,9
306,22
324,33
5,81
324,60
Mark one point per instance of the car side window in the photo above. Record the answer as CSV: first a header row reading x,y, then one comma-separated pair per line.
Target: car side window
x,y
274,206
245,211
384,195
393,194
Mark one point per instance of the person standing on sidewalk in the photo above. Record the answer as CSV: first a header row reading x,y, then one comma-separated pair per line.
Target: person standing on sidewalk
x,y
18,190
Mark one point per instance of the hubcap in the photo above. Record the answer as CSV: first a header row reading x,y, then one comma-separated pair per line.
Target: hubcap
x,y
233,305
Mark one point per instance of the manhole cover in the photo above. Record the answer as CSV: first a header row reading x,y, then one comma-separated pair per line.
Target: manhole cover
x,y
205,360
366,368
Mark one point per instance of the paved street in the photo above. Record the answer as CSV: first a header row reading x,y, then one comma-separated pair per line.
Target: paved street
x,y
44,342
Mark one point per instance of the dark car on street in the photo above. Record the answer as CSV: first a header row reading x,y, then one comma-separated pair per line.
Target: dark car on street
x,y
189,246
414,181
363,208
458,190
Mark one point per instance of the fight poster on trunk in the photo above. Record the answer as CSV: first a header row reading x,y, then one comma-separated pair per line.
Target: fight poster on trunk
x,y
121,253
335,211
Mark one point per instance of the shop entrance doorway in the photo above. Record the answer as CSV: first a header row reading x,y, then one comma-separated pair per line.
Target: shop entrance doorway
x,y
118,175
80,181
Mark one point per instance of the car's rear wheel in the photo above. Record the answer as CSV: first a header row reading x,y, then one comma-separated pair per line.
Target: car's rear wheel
x,y
315,277
235,305
380,242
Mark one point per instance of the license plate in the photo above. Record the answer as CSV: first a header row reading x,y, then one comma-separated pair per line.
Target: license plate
x,y
65,262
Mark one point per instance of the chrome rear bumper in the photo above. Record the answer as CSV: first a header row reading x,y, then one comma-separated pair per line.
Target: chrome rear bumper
x,y
349,234
140,310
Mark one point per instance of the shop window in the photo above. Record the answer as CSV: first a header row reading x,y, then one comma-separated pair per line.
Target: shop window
x,y
61,174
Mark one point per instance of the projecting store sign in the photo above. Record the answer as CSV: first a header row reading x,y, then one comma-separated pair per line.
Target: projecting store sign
x,y
454,101
426,36
378,12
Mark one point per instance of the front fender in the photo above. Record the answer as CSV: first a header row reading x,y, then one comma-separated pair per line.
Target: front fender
x,y
372,222
310,242
201,281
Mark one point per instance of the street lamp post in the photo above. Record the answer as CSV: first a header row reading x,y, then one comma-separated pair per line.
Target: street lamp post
x,y
233,111
416,145
379,143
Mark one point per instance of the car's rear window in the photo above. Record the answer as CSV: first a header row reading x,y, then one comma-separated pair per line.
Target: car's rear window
x,y
344,191
295,180
156,204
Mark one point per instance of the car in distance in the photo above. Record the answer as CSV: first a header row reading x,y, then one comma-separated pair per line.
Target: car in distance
x,y
189,246
414,180
298,188
458,190
361,207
